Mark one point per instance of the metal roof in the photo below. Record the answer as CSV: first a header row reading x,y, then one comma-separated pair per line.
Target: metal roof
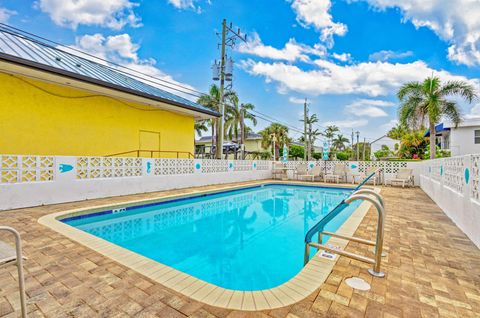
x,y
27,51
438,130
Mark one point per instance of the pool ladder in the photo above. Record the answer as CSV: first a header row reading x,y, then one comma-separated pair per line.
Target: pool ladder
x,y
361,194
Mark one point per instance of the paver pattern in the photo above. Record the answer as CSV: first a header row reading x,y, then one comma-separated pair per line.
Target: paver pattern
x,y
432,270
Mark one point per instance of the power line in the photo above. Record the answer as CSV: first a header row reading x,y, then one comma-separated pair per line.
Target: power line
x,y
27,35
136,74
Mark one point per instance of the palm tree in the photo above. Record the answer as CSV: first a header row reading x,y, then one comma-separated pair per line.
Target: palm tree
x,y
426,101
211,101
397,132
201,126
281,133
339,142
330,131
311,134
233,121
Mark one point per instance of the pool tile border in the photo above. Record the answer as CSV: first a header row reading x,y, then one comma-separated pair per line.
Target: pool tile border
x,y
296,289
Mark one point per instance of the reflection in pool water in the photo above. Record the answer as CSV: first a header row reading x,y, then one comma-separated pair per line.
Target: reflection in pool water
x,y
247,239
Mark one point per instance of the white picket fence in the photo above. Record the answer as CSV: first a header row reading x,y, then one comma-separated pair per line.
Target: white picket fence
x,y
454,184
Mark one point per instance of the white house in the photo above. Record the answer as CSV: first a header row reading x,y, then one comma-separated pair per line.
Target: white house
x,y
382,141
461,140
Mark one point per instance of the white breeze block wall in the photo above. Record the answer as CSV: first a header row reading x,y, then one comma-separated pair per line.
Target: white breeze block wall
x,y
37,180
454,184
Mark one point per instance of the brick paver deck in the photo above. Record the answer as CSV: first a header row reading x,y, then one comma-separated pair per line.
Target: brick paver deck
x,y
432,269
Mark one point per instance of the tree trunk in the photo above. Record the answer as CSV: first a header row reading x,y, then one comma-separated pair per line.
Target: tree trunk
x,y
433,145
213,136
242,134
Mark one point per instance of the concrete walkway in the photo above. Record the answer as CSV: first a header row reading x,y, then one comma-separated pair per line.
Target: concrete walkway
x,y
432,269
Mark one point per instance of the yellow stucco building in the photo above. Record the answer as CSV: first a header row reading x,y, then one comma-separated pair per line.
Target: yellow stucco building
x,y
56,103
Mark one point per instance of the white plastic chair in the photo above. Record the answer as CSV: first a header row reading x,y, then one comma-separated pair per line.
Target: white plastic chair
x,y
404,177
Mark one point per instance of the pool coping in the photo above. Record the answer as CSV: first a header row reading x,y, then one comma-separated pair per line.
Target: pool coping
x,y
294,290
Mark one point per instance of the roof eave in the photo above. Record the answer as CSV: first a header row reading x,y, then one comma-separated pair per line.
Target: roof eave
x,y
47,68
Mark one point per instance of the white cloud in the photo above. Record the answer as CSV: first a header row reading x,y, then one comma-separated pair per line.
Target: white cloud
x,y
188,4
316,13
456,22
113,14
296,100
182,4
368,107
344,57
115,48
474,112
5,14
372,102
368,78
121,50
389,125
386,55
292,51
347,123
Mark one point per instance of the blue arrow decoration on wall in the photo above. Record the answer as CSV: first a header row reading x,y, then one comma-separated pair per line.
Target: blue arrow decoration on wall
x,y
65,168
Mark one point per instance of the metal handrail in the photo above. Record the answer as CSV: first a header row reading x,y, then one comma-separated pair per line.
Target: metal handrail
x,y
334,212
376,270
138,151
19,263
372,192
358,194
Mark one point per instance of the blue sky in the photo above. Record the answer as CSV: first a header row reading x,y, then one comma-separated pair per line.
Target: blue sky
x,y
347,57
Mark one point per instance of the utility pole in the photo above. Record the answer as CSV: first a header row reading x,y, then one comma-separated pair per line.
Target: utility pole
x,y
228,38
305,139
242,132
364,142
310,141
274,140
219,149
358,149
352,144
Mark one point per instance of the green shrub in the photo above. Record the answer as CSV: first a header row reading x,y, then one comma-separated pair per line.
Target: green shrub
x,y
342,156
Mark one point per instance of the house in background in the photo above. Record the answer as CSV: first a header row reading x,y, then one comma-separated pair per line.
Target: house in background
x,y
376,145
461,140
253,146
53,102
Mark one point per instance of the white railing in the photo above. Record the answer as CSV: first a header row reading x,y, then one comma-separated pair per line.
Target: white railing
x,y
454,184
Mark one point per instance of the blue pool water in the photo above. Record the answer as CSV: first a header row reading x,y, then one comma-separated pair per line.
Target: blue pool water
x,y
248,239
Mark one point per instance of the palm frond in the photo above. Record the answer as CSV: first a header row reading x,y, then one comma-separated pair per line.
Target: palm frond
x,y
452,112
459,88
408,89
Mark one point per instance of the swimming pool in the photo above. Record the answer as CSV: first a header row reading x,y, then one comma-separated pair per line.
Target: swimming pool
x,y
247,239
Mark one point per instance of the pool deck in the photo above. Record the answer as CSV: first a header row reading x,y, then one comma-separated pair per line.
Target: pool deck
x,y
432,270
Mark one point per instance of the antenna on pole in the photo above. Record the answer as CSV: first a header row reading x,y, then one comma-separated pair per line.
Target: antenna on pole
x,y
223,71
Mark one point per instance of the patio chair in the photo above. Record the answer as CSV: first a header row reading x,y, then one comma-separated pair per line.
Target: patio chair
x,y
279,170
404,177
13,256
339,173
374,179
312,174
302,169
